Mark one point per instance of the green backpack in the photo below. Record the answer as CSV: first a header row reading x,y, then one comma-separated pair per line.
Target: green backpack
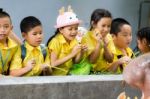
x,y
82,68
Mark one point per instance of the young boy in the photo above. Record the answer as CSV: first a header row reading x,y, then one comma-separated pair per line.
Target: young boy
x,y
33,62
7,46
137,74
122,36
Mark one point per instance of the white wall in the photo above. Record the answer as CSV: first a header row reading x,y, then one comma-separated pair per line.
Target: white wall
x,y
47,11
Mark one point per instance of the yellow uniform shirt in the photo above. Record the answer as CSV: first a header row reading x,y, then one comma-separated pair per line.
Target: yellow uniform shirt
x,y
7,54
101,64
60,46
31,53
118,54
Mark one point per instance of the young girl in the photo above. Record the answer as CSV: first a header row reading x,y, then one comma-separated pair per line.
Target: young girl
x,y
99,41
143,40
63,46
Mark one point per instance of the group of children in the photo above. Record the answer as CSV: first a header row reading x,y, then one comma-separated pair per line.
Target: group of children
x,y
105,45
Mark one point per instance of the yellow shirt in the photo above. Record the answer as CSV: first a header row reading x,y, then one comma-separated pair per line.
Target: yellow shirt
x,y
60,46
101,64
118,54
31,53
7,54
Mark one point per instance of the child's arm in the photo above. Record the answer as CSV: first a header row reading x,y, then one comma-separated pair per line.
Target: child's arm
x,y
95,53
13,36
55,61
108,55
124,60
28,67
81,53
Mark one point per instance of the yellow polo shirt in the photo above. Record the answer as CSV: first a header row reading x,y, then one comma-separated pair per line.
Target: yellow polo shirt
x,y
62,48
118,54
7,54
31,53
101,64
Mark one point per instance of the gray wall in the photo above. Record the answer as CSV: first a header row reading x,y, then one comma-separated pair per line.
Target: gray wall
x,y
65,87
47,10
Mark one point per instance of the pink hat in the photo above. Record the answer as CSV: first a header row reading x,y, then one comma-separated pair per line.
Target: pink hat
x,y
67,18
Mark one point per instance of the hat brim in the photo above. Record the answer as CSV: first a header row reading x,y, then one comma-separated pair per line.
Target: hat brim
x,y
71,23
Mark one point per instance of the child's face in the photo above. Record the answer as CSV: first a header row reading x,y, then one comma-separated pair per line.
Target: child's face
x,y
34,37
143,46
124,37
103,26
5,28
69,32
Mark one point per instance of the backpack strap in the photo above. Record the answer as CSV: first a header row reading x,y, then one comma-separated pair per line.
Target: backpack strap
x,y
44,52
23,51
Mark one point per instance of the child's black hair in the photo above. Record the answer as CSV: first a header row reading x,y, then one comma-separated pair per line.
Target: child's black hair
x,y
56,32
97,15
144,33
117,24
4,14
29,23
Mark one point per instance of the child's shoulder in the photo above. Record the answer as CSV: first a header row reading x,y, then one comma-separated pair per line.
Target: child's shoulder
x,y
88,35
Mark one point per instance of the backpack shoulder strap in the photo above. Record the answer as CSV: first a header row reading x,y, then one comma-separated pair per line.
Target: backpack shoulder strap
x,y
44,52
23,51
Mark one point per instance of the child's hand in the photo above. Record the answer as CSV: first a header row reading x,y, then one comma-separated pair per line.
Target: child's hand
x,y
97,35
124,60
44,66
1,75
84,47
30,64
106,41
76,49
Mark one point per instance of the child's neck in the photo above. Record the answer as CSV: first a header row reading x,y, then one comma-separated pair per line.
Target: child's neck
x,y
4,42
68,41
123,50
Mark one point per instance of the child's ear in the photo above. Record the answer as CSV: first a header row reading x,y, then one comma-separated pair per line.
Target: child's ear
x,y
11,27
144,42
60,30
113,36
93,24
23,35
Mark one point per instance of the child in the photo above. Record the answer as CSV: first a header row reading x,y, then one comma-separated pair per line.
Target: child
x,y
99,41
122,36
137,72
143,40
30,60
7,46
63,46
